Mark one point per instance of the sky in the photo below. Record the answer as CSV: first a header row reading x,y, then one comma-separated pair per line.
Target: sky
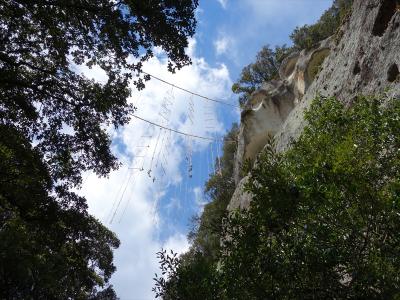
x,y
150,200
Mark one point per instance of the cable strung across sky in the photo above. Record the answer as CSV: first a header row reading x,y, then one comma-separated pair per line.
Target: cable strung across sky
x,y
176,131
190,92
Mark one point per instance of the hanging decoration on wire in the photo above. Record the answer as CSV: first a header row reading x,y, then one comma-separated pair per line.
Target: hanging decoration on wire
x,y
188,157
189,144
209,116
164,114
191,110
153,149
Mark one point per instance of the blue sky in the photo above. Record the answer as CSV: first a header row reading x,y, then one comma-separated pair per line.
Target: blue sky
x,y
150,210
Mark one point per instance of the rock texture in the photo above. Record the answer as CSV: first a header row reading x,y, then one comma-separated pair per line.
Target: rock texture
x,y
240,198
365,61
268,108
362,58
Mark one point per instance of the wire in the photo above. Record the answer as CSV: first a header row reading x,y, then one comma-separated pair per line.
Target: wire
x,y
127,202
109,215
161,148
154,152
122,196
190,92
174,130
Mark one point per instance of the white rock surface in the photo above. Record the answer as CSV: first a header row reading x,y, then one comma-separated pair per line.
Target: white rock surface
x,y
240,198
366,60
268,108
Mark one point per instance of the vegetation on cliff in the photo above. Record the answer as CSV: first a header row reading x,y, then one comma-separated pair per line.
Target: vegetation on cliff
x,y
307,36
268,60
323,221
324,215
265,68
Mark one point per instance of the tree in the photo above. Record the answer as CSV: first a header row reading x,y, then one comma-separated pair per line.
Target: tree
x,y
53,126
307,36
265,68
219,189
51,248
194,275
43,42
323,221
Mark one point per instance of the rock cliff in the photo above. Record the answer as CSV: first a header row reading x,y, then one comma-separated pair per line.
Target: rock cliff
x,y
363,57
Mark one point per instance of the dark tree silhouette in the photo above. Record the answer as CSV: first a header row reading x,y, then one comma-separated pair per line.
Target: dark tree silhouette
x,y
51,248
41,42
53,123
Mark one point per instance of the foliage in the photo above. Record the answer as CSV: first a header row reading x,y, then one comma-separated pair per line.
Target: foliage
x,y
44,44
219,188
265,68
194,275
106,294
323,222
50,247
324,218
164,287
189,278
307,36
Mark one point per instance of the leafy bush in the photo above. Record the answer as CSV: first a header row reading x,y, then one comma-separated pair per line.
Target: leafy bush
x,y
191,277
324,219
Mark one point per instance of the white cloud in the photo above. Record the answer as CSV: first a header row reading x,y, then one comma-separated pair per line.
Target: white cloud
x,y
221,45
225,45
223,3
130,197
178,243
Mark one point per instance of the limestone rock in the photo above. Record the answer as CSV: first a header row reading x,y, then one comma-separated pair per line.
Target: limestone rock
x,y
240,198
365,61
362,58
267,109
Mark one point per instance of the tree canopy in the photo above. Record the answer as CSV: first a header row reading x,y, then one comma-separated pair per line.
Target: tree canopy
x,y
51,248
265,68
54,125
42,45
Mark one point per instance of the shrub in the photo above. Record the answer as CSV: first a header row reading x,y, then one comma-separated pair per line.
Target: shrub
x,y
323,222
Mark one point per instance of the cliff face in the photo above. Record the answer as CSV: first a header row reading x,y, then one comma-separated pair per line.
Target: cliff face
x,y
269,107
362,58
